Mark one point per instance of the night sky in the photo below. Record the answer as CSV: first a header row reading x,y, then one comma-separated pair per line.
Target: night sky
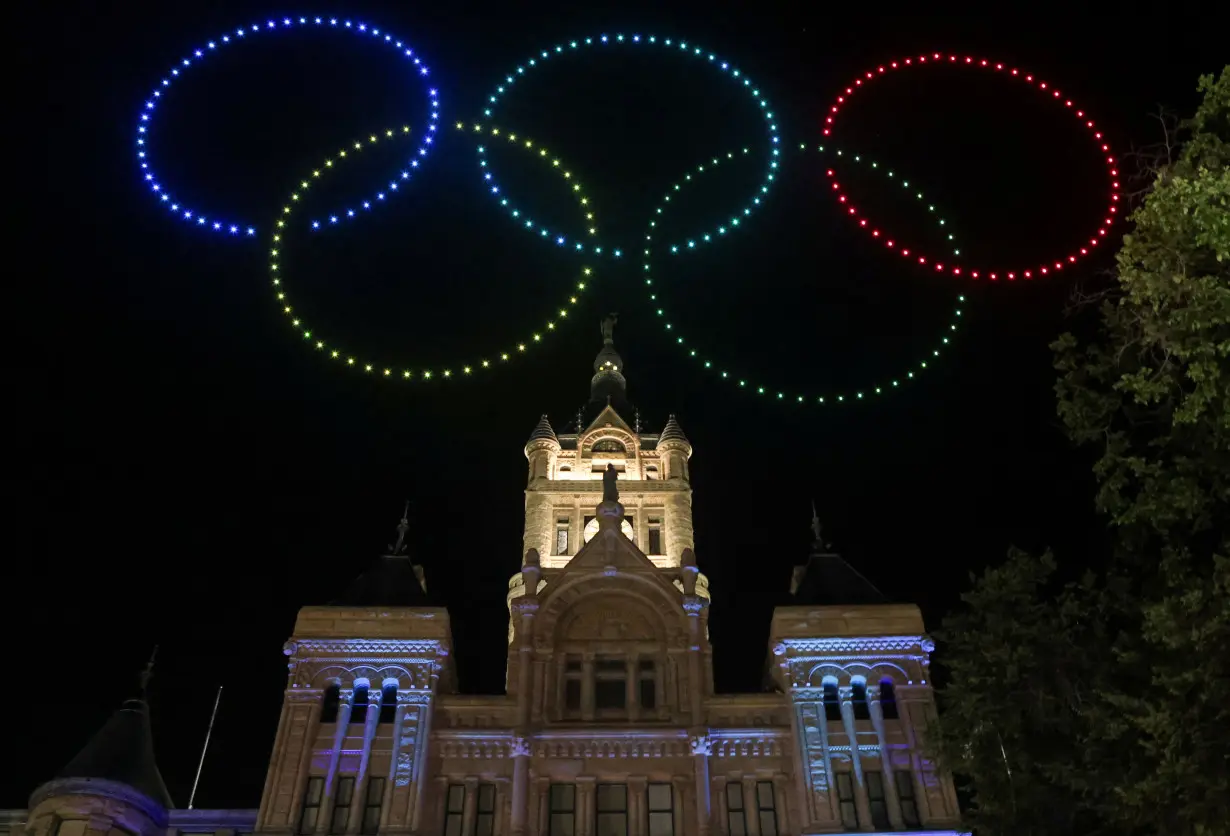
x,y
189,472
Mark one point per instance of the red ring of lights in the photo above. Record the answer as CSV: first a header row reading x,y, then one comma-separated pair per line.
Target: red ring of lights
x,y
956,269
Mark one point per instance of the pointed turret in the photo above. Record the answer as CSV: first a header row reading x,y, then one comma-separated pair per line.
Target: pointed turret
x,y
543,431
395,580
673,432
827,579
113,783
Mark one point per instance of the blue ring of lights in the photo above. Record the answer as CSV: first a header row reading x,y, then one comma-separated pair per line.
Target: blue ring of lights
x,y
744,383
686,48
245,33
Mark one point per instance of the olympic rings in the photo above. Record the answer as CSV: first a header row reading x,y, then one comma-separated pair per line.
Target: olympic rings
x,y
347,359
232,227
632,41
956,269
589,243
742,382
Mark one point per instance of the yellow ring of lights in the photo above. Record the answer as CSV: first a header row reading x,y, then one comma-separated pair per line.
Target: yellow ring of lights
x,y
334,351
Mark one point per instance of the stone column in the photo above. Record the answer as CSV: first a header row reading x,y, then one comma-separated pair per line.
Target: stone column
x,y
325,816
638,815
632,691
702,748
886,764
587,687
360,784
860,786
520,753
525,608
782,803
585,805
680,785
717,797
471,805
542,786
751,809
424,739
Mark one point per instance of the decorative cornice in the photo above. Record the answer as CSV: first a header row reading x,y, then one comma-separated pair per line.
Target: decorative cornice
x,y
308,647
875,644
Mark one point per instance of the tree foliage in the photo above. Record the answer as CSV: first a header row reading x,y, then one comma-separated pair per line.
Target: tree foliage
x,y
1103,706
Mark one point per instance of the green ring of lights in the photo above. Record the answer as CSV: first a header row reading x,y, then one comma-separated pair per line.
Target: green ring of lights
x,y
334,351
744,383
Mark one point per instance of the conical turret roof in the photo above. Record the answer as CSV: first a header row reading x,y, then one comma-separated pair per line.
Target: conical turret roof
x,y
123,751
673,432
543,431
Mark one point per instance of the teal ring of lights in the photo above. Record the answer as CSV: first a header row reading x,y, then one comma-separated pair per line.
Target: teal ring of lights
x,y
712,365
400,371
592,244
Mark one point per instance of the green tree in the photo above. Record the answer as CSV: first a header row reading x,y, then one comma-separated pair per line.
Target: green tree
x,y
1111,697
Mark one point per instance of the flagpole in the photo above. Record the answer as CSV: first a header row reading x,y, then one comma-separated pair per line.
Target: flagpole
x,y
201,763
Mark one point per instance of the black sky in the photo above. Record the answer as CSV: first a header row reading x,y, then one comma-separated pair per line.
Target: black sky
x,y
188,473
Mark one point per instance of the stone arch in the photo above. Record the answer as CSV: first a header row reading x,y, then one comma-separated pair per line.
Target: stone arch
x,y
651,602
627,439
376,675
845,674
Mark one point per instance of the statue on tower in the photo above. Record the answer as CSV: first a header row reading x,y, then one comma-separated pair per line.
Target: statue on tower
x,y
608,327
610,493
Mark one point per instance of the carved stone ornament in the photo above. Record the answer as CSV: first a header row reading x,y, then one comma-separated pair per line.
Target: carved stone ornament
x,y
701,745
289,649
928,646
779,649
519,748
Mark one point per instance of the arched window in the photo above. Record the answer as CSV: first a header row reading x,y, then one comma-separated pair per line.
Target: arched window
x,y
388,702
358,702
859,698
333,697
888,699
832,702
651,471
609,445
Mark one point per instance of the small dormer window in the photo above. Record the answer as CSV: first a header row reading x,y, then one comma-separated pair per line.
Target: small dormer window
x,y
610,445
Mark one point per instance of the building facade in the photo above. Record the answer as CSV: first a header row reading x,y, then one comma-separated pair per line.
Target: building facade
x,y
610,725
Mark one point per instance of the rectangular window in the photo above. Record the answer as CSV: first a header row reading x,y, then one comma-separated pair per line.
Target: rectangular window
x,y
561,536
858,696
905,793
484,816
572,686
766,808
562,804
832,704
845,800
875,796
661,804
611,806
610,684
655,536
312,798
341,804
372,804
735,812
648,686
454,809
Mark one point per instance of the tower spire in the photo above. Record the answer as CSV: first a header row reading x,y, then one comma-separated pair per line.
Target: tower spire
x,y
399,547
147,673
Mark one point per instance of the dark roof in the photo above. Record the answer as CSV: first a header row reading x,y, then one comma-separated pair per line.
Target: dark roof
x,y
672,432
123,751
543,430
393,581
829,580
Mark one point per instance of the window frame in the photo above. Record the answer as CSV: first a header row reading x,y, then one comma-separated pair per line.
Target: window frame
x,y
650,810
904,783
732,809
553,810
845,800
484,816
318,782
615,671
878,806
457,815
762,810
373,782
609,812
348,781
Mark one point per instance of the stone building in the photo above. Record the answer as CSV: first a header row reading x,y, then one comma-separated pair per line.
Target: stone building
x,y
609,726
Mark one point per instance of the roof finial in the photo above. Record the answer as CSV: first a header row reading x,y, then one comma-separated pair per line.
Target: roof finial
x,y
608,328
818,540
148,673
402,527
